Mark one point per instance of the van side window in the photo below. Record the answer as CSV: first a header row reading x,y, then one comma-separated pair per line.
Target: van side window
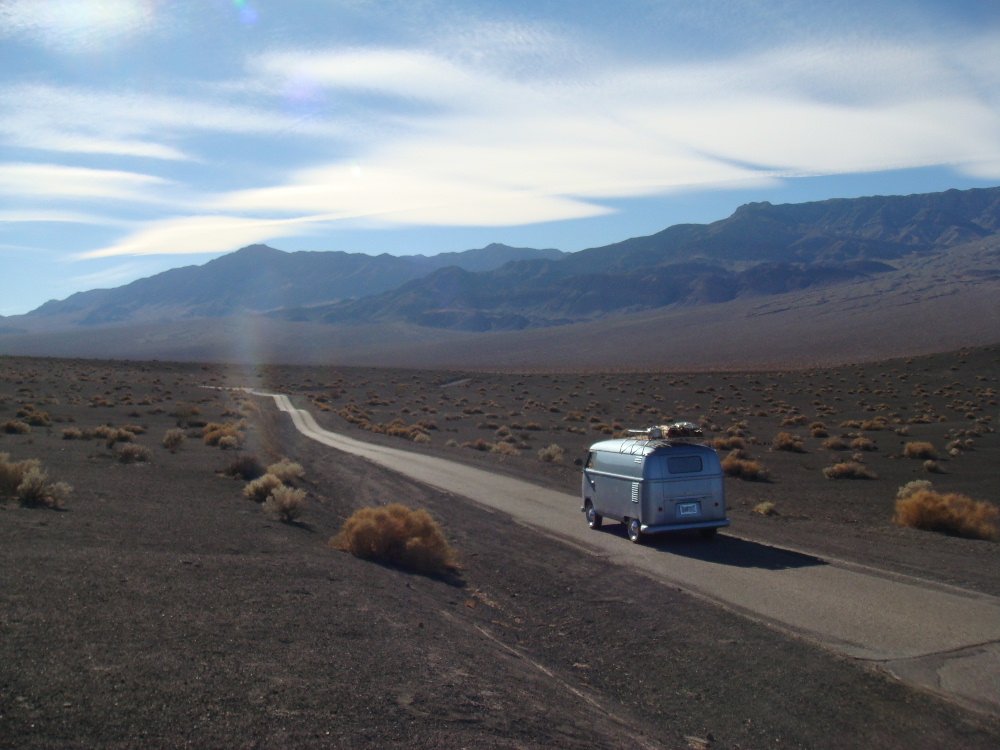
x,y
684,464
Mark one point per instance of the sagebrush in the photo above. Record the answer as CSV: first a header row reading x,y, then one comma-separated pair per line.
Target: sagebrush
x,y
921,507
398,535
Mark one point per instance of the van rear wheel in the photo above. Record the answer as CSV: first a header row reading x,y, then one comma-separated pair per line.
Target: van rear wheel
x,y
634,530
594,519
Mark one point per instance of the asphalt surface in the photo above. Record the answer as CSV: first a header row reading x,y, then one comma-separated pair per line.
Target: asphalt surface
x,y
944,639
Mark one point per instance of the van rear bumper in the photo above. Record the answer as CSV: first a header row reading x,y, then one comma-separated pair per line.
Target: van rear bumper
x,y
717,524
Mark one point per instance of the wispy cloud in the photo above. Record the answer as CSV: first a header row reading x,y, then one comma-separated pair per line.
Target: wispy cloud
x,y
76,25
55,181
432,137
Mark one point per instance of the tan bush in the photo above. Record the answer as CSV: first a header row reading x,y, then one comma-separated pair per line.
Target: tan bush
x,y
766,508
744,468
504,449
835,444
786,441
849,470
26,482
130,453
919,450
16,427
35,490
12,472
259,489
286,503
173,439
214,432
863,444
933,467
732,442
228,442
949,513
551,454
72,433
397,535
245,467
286,470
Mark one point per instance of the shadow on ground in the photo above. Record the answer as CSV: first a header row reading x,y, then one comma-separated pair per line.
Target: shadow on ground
x,y
723,550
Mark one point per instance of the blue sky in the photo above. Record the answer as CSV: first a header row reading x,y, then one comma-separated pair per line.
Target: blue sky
x,y
140,135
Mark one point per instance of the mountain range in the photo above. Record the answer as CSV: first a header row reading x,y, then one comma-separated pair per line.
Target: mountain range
x,y
760,255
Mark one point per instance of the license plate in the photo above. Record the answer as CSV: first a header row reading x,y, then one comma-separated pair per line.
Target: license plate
x,y
688,509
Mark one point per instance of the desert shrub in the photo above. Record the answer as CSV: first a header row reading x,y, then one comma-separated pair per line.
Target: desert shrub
x,y
421,438
26,482
863,444
766,508
744,468
287,471
849,470
259,489
12,472
228,442
35,490
478,445
245,466
117,435
16,427
551,454
921,507
173,439
72,433
38,419
818,432
397,535
131,453
135,429
932,467
794,420
286,503
504,449
786,441
729,443
214,432
919,449
835,444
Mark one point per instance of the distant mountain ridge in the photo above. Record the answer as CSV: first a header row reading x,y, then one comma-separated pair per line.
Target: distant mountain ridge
x,y
761,251
258,278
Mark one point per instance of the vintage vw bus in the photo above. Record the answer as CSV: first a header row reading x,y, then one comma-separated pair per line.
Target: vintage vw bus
x,y
660,479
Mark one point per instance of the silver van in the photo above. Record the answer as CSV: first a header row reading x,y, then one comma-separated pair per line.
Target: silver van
x,y
660,480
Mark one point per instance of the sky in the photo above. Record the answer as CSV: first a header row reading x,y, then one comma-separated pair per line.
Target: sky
x,y
142,135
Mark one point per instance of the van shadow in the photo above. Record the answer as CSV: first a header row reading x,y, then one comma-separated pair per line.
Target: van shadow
x,y
727,550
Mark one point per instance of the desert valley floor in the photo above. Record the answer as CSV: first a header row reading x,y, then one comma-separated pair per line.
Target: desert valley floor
x,y
161,608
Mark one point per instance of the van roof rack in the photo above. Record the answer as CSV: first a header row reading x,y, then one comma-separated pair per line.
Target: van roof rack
x,y
677,432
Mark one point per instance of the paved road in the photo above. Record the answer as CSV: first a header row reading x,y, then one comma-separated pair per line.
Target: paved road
x,y
942,638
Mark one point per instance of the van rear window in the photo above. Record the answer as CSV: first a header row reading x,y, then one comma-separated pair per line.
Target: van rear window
x,y
684,464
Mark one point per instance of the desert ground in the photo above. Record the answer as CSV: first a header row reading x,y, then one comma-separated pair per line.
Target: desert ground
x,y
159,607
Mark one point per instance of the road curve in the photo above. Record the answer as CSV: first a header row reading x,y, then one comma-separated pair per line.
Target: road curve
x,y
942,638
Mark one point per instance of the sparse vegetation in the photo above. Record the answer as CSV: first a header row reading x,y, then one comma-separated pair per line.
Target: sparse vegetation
x,y
744,468
286,503
259,489
394,534
26,482
245,466
919,506
919,449
15,427
173,439
766,508
787,441
286,470
849,470
132,453
551,453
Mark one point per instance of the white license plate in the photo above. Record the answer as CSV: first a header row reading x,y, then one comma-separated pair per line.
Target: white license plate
x,y
688,509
